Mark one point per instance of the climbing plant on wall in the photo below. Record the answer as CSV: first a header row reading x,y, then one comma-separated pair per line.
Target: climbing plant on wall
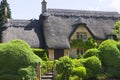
x,y
79,43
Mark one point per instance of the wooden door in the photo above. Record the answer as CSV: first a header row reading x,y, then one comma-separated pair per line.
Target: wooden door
x,y
58,53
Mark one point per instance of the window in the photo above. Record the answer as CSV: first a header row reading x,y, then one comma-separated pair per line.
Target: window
x,y
80,51
111,37
82,35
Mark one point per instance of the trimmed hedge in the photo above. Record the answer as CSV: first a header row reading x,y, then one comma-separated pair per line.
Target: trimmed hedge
x,y
17,61
42,53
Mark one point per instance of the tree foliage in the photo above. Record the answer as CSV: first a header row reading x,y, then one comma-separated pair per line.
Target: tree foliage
x,y
116,30
3,17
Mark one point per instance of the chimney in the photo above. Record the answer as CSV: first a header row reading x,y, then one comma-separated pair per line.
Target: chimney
x,y
44,6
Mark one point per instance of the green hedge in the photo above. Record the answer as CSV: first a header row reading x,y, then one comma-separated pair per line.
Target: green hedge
x,y
110,57
42,53
17,61
91,52
48,66
75,78
79,71
64,67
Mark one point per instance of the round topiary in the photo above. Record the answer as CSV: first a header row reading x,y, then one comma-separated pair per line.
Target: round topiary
x,y
91,52
110,56
79,71
14,56
93,66
109,53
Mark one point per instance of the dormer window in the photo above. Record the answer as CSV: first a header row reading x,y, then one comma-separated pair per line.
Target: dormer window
x,y
111,37
82,36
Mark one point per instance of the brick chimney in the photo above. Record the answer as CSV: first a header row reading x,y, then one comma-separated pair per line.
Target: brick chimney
x,y
44,6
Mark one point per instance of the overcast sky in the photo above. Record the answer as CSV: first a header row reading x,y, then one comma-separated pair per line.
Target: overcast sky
x,y
29,9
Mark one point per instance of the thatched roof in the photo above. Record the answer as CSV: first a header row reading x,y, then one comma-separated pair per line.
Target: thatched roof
x,y
59,24
27,30
100,28
82,13
57,31
55,27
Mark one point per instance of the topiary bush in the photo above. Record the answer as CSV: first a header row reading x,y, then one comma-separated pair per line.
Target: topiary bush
x,y
91,52
17,61
64,67
75,78
110,57
77,62
109,53
93,66
79,71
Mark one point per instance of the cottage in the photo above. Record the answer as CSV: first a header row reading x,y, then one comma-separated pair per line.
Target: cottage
x,y
56,27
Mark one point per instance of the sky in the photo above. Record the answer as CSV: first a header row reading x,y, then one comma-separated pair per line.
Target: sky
x,y
31,9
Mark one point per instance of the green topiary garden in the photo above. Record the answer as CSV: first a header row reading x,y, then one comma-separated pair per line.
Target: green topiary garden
x,y
17,61
96,64
110,57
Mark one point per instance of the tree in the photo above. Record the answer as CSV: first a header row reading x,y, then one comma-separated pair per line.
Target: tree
x,y
116,30
5,11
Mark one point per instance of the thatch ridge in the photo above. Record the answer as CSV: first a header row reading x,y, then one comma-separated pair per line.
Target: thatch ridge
x,y
20,23
55,27
83,13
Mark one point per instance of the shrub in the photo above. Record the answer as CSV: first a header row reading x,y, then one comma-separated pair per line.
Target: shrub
x,y
75,78
109,53
91,52
118,45
79,71
42,53
48,66
92,65
59,77
77,62
64,66
14,56
110,56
